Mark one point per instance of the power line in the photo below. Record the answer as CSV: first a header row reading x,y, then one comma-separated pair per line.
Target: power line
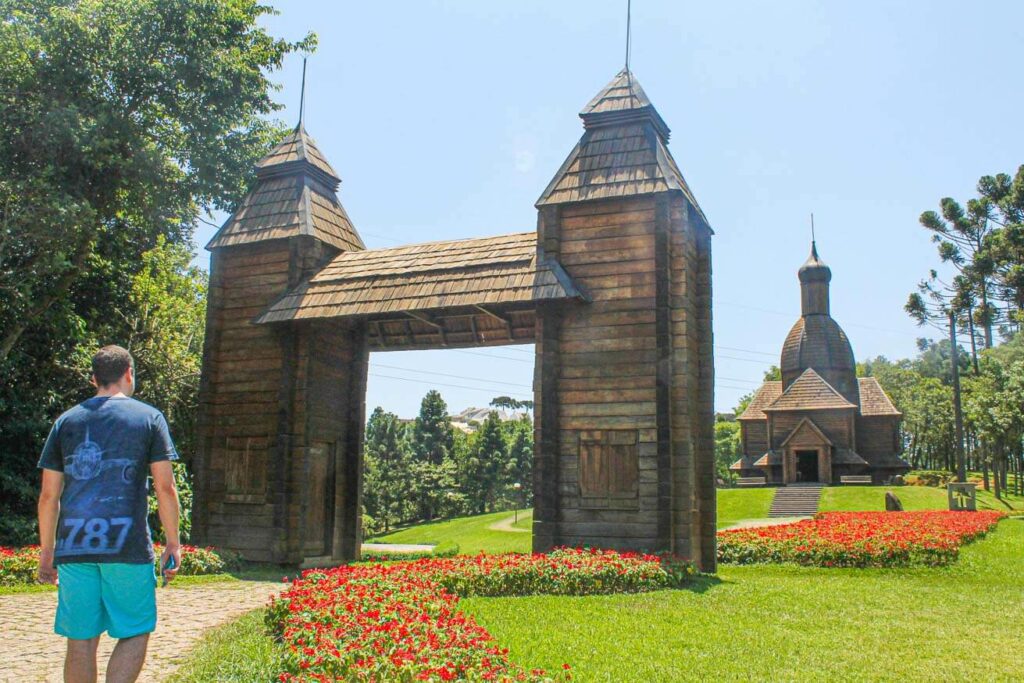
x,y
759,353
442,374
440,384
790,315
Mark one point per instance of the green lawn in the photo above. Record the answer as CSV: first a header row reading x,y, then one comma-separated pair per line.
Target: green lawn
x,y
470,534
748,623
840,498
736,505
238,652
788,623
473,534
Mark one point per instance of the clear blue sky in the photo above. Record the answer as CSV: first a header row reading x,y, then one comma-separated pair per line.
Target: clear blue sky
x,y
446,119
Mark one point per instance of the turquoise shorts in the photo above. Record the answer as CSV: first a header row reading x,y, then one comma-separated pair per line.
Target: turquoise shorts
x,y
117,598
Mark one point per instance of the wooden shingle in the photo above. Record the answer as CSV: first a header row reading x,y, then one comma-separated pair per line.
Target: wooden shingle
x,y
491,271
294,195
764,397
874,400
809,392
623,151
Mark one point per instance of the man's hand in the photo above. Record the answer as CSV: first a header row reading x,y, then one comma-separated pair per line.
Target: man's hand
x,y
169,552
49,510
47,572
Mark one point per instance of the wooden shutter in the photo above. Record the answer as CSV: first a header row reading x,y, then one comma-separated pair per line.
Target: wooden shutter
x,y
245,473
609,467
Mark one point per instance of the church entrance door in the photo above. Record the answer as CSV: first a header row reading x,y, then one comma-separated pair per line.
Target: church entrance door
x,y
807,466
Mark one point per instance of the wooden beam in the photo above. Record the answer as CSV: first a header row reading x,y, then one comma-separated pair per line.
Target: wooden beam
x,y
507,321
423,318
472,326
381,338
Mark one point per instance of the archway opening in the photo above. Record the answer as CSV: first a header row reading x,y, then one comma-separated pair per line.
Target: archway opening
x,y
449,434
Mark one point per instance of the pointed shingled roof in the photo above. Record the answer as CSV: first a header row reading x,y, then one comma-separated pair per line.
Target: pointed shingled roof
x,y
297,148
294,195
764,397
623,151
874,400
809,392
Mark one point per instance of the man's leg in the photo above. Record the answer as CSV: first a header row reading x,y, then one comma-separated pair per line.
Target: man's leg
x,y
129,599
80,663
127,658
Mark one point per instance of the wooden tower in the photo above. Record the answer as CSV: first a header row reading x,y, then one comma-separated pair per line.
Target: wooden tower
x,y
624,405
276,405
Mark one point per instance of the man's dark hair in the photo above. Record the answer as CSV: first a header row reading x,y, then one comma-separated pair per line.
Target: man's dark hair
x,y
110,363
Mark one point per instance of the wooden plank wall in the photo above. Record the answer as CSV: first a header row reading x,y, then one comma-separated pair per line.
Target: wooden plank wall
x,y
608,363
834,423
637,361
238,405
273,401
692,393
328,406
755,437
877,435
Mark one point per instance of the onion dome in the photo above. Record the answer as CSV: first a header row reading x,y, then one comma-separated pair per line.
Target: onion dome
x,y
816,341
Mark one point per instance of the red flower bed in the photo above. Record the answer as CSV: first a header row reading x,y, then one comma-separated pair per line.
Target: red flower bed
x,y
399,621
859,539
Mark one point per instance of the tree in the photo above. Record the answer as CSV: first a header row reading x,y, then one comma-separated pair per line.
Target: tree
x,y
166,322
728,447
480,473
519,470
432,441
122,122
387,470
963,239
432,433
1003,196
938,305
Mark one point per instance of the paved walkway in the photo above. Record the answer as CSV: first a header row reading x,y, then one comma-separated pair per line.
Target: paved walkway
x,y
29,650
506,524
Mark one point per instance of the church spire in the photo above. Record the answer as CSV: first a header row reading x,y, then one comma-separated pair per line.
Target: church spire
x,y
814,278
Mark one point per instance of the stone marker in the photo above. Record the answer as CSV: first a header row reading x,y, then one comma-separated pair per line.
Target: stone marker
x,y
962,496
892,503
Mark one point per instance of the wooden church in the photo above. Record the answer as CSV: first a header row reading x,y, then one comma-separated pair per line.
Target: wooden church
x,y
821,422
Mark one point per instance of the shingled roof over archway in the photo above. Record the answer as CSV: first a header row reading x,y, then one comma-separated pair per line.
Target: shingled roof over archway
x,y
423,278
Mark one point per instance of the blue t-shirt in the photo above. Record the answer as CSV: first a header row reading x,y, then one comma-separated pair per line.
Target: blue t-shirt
x,y
104,447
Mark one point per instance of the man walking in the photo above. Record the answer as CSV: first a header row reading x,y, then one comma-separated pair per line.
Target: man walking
x,y
92,520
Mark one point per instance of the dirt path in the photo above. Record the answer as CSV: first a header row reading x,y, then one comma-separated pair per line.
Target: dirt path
x,y
30,651
397,547
506,525
767,521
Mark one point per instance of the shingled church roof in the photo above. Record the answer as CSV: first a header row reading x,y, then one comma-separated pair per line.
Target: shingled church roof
x,y
873,399
764,397
623,151
809,392
294,195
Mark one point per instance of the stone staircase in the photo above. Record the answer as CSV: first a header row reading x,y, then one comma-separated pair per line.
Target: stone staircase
x,y
796,500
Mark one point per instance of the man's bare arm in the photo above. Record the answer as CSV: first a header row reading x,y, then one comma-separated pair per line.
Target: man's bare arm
x,y
49,511
168,509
